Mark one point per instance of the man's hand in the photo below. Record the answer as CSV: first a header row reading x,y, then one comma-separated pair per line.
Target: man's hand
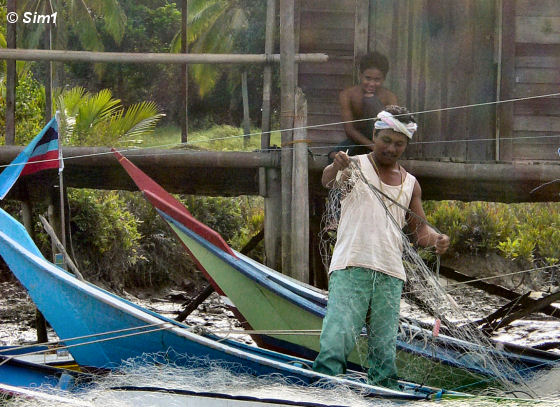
x,y
341,161
442,243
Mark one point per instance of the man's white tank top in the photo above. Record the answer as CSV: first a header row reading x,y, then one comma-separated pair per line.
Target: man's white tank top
x,y
366,235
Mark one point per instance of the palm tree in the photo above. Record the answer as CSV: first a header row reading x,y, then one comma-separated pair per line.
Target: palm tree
x,y
212,28
82,14
88,119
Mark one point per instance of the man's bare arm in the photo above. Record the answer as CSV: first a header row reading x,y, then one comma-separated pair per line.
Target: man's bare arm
x,y
341,162
425,235
347,116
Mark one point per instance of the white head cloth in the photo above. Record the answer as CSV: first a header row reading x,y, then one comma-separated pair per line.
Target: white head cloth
x,y
387,121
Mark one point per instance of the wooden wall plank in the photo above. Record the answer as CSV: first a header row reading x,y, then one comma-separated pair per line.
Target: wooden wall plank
x,y
536,123
540,8
541,61
522,90
539,30
538,107
361,29
432,124
482,119
416,92
507,79
536,146
322,5
537,75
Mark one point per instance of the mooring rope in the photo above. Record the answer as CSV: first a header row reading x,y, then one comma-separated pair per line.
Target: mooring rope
x,y
56,348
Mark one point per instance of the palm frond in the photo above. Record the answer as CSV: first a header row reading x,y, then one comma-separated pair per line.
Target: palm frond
x,y
139,119
89,38
96,108
114,18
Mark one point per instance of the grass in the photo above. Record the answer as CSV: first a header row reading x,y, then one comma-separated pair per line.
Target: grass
x,y
218,138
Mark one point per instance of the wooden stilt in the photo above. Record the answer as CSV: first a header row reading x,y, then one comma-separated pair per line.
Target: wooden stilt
x,y
40,323
11,79
273,219
300,193
246,119
287,89
191,306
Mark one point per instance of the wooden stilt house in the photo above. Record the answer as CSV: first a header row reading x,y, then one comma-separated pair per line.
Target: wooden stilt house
x,y
443,54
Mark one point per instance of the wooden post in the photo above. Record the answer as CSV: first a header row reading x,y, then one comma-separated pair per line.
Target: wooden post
x,y
184,74
40,323
361,34
48,69
246,119
267,74
300,193
11,79
53,214
273,219
270,192
287,88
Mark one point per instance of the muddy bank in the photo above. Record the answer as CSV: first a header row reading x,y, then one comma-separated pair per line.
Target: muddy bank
x,y
17,315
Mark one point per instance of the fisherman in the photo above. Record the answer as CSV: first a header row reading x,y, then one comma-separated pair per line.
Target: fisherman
x,y
366,271
364,101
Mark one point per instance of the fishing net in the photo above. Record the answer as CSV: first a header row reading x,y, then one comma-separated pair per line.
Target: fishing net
x,y
470,361
146,381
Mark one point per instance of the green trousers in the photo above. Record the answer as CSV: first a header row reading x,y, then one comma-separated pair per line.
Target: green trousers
x,y
357,294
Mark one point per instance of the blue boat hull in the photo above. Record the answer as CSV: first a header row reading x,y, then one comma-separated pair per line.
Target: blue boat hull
x,y
111,330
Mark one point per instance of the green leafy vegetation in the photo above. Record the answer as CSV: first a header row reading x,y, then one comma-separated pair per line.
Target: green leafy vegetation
x,y
30,102
217,137
526,232
99,119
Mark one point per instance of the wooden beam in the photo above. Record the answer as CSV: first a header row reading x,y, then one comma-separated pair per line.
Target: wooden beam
x,y
150,58
210,173
194,303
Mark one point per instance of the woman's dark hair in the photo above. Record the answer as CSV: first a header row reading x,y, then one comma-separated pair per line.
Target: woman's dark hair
x,y
374,60
402,113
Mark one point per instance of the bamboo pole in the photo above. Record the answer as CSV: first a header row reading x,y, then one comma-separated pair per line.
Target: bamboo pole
x,y
246,119
58,244
48,69
184,74
11,79
287,88
300,194
151,58
272,201
267,73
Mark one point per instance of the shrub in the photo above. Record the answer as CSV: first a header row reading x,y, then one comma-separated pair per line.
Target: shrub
x,y
105,234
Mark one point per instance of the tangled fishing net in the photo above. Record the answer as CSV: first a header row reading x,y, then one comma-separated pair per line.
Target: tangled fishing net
x,y
491,373
145,381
